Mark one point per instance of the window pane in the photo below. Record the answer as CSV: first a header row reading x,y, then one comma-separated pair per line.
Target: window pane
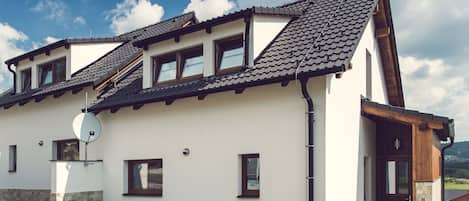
x,y
46,75
403,177
12,162
193,66
68,150
26,80
253,174
147,176
168,71
232,58
60,70
391,178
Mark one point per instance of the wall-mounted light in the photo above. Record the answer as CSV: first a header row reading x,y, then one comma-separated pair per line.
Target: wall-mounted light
x,y
186,152
40,143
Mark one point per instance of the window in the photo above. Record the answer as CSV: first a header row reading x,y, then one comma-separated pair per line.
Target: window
x,y
229,55
369,78
26,80
397,178
68,150
182,65
250,173
145,177
13,158
52,72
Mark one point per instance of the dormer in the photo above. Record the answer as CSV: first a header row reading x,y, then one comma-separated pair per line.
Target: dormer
x,y
219,46
57,62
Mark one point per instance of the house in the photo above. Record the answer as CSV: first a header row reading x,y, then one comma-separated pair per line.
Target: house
x,y
298,102
456,195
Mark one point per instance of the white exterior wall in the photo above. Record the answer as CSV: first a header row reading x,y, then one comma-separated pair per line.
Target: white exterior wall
x,y
349,136
216,130
264,30
38,60
75,177
25,126
85,54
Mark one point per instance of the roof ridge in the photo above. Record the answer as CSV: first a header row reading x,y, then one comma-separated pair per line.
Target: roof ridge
x,y
157,23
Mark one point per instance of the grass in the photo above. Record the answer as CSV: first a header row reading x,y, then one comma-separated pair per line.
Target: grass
x,y
455,186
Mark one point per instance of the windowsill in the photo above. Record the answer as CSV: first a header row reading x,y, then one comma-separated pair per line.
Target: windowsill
x,y
142,195
229,70
11,171
248,196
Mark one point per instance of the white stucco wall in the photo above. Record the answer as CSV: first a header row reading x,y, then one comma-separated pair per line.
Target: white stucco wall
x,y
216,130
264,30
25,126
84,54
38,60
75,177
349,137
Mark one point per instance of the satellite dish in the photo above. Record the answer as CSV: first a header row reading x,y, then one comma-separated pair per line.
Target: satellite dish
x,y
87,127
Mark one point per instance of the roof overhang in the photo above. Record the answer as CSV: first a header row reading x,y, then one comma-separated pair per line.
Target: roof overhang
x,y
62,43
207,25
387,42
443,126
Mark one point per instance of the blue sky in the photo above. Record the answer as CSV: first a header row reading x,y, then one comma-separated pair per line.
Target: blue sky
x,y
431,37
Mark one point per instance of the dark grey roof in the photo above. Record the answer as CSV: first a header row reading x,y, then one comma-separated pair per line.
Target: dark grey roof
x,y
150,39
102,68
320,41
447,122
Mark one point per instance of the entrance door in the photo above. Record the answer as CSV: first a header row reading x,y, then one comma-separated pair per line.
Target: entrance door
x,y
394,161
394,175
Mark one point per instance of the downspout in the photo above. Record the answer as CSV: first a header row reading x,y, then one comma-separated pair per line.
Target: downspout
x,y
14,79
443,167
310,145
247,35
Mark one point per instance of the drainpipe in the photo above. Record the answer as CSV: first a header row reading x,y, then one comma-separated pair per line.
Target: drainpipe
x,y
247,35
14,79
443,167
310,145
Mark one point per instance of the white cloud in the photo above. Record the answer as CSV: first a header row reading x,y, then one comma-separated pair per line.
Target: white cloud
x,y
47,40
53,9
206,9
133,14
79,20
269,3
430,85
9,37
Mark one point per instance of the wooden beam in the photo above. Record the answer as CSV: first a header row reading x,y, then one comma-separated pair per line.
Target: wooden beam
x,y
177,39
67,46
6,107
75,91
47,53
145,47
239,91
137,107
285,83
39,99
400,117
59,94
114,110
169,102
31,58
208,30
24,102
383,32
201,97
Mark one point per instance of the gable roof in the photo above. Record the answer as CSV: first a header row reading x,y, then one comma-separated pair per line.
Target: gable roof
x,y
320,41
99,70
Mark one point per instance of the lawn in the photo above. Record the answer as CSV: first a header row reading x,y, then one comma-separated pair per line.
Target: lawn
x,y
455,186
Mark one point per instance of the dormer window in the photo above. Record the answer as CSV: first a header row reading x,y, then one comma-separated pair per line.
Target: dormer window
x,y
26,80
182,65
229,55
52,72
